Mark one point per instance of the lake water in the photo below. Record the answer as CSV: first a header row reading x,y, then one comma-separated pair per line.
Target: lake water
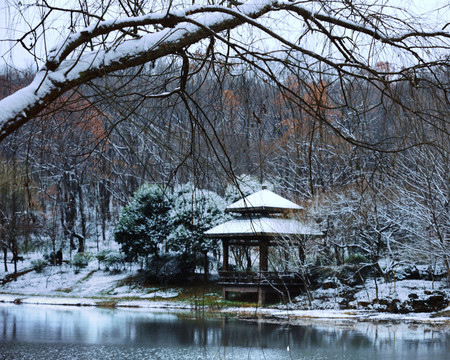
x,y
52,332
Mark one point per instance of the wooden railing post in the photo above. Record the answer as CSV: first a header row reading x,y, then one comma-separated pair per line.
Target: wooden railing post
x,y
263,255
225,246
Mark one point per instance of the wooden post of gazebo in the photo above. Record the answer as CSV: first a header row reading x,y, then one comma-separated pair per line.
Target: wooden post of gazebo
x,y
263,269
225,255
263,221
263,256
225,249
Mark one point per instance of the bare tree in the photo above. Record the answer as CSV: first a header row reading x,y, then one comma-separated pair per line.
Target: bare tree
x,y
321,96
107,36
420,196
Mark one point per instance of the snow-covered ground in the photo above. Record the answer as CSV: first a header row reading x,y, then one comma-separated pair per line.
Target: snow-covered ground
x,y
91,282
91,286
401,290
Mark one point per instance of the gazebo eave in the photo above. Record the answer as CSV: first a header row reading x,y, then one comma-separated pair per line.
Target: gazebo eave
x,y
263,210
251,236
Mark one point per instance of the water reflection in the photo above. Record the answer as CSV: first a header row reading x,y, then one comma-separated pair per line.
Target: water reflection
x,y
35,332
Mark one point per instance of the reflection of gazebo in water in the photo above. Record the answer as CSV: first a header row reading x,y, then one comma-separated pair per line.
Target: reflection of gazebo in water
x,y
264,221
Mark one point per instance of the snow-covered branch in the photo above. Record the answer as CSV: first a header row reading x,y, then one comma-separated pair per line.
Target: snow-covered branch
x,y
130,41
61,74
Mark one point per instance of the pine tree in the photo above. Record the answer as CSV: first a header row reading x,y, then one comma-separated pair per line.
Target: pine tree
x,y
143,225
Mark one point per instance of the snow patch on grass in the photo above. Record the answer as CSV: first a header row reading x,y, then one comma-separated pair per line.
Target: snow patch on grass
x,y
162,294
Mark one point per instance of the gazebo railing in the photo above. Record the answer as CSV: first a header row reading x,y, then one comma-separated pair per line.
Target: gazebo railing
x,y
259,278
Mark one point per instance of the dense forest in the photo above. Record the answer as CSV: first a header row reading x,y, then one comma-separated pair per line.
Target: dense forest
x,y
64,181
140,108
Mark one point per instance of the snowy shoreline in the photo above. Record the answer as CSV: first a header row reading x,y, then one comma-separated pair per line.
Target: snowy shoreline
x,y
276,313
91,286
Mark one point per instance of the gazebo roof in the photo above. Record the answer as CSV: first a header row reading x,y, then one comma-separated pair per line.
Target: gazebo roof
x,y
261,226
263,201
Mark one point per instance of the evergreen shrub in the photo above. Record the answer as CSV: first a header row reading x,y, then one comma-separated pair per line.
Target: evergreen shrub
x,y
81,260
114,260
356,259
170,269
39,265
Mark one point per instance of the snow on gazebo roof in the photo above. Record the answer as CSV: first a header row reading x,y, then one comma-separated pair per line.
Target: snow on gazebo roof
x,y
261,227
263,201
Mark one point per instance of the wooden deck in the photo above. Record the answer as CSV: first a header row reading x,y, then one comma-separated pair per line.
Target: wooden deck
x,y
259,278
259,282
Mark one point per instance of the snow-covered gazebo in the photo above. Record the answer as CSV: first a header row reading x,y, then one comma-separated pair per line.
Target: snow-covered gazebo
x,y
265,219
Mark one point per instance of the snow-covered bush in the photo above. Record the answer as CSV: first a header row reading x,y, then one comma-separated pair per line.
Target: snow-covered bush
x,y
194,211
39,265
81,260
142,227
114,260
101,255
170,268
177,269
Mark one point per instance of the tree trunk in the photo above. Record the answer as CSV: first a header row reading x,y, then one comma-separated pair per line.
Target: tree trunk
x,y
5,254
15,254
82,217
206,265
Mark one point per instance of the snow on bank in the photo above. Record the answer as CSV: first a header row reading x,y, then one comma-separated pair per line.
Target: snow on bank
x,y
62,285
396,296
90,286
42,300
56,280
400,290
275,313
